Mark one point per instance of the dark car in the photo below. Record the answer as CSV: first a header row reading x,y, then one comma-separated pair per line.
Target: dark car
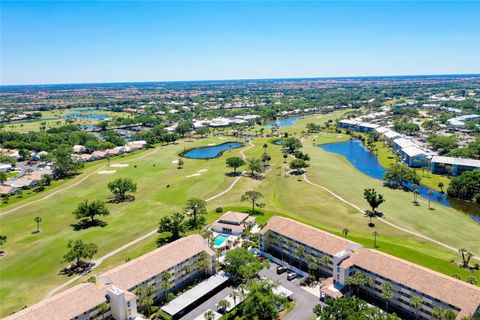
x,y
281,269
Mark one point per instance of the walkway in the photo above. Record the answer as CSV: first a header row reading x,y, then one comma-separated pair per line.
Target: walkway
x,y
146,236
383,220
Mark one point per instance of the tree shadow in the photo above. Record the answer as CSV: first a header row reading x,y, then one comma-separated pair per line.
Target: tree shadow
x,y
86,223
232,174
161,241
74,268
127,198
255,213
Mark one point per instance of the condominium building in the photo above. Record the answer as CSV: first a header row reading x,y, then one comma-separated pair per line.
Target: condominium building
x,y
113,294
294,241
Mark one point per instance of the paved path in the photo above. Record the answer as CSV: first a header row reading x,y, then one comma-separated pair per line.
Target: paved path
x,y
146,236
383,220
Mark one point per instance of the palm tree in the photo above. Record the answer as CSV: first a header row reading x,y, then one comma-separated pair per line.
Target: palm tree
x,y
325,260
234,295
416,302
375,235
300,253
209,315
223,305
285,156
165,285
441,185
103,308
357,280
387,293
430,194
38,220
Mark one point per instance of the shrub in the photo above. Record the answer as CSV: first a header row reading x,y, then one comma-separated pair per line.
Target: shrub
x,y
219,210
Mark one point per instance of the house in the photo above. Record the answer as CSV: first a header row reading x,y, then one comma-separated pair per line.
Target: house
x,y
113,152
22,183
88,157
232,223
116,288
400,143
100,154
453,166
78,148
391,135
294,241
34,176
7,190
414,157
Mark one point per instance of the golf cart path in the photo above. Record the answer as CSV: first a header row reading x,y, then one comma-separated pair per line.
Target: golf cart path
x,y
383,220
71,185
146,236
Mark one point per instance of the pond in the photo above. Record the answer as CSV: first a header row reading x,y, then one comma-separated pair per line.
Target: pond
x,y
211,151
277,142
286,122
86,116
367,162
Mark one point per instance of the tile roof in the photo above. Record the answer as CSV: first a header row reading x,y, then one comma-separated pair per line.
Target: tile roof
x,y
321,240
65,305
130,274
233,217
455,292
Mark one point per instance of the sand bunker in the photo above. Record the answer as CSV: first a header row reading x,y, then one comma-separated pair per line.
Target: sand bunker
x,y
222,138
175,161
119,165
203,170
193,175
211,144
106,171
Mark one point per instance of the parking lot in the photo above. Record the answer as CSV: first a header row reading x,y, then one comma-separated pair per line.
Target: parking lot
x,y
305,301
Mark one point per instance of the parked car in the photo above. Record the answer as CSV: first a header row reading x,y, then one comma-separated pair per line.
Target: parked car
x,y
291,275
281,269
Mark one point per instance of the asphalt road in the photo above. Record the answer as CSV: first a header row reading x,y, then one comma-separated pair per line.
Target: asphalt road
x,y
305,301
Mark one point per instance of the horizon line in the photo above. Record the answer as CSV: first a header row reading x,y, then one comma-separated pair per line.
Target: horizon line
x,y
459,75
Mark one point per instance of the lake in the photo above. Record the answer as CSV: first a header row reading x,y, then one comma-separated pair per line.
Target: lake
x,y
367,162
286,122
211,151
86,116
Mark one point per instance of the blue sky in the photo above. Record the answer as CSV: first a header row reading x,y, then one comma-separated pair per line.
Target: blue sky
x,y
71,42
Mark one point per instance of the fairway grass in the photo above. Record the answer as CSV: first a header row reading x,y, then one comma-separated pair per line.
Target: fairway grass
x,y
29,269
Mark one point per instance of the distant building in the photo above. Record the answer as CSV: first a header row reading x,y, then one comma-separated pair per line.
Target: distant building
x,y
78,148
452,166
7,190
414,156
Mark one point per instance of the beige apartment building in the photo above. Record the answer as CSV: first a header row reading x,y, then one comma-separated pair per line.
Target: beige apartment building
x,y
293,241
113,294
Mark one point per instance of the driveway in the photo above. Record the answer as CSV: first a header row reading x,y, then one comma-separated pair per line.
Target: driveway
x,y
305,301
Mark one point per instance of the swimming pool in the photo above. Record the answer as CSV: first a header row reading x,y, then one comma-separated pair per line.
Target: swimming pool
x,y
220,239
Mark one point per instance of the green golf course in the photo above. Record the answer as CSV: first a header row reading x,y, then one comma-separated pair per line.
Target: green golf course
x,y
32,261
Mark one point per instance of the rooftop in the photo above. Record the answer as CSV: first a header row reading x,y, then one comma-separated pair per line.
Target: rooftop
x,y
65,305
233,217
403,142
455,292
413,151
457,161
192,295
130,274
321,240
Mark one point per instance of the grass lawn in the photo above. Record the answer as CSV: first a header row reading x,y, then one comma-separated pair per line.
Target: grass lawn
x,y
33,260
